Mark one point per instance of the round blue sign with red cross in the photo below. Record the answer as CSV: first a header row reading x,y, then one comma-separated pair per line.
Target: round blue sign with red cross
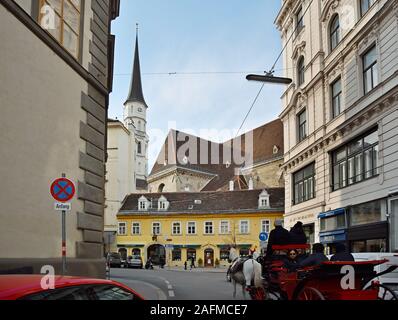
x,y
62,190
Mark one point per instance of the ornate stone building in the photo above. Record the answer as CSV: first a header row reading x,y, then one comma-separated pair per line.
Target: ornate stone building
x,y
56,75
188,163
340,119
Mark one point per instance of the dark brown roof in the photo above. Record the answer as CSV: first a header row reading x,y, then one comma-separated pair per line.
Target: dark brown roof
x,y
264,140
229,201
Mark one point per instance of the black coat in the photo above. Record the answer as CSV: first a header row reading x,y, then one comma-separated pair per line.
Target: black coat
x,y
278,236
314,260
342,256
297,237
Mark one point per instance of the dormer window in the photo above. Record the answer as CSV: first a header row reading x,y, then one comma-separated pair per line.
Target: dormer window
x,y
263,200
163,204
143,204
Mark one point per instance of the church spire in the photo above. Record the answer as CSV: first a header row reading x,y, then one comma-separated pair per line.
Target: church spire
x,y
135,92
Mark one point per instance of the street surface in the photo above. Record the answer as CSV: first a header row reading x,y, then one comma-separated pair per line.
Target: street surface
x,y
163,284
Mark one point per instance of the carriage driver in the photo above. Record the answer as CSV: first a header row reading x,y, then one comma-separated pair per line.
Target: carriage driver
x,y
278,236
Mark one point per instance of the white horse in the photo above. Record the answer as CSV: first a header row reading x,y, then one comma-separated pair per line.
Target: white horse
x,y
250,275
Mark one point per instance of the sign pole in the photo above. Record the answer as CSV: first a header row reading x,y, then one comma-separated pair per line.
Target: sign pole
x,y
63,190
63,238
63,243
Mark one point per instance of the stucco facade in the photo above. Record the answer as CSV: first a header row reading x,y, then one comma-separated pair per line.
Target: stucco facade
x,y
53,122
203,224
366,103
119,178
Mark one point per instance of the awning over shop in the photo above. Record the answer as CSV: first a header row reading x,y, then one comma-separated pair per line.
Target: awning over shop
x,y
331,213
129,245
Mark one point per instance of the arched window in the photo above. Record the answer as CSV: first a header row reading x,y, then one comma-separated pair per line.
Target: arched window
x,y
334,32
300,71
139,148
161,187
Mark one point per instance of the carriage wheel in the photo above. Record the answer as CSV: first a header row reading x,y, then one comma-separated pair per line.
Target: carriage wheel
x,y
384,292
256,293
309,293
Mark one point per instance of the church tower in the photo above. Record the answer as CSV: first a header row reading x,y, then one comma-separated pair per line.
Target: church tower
x,y
135,109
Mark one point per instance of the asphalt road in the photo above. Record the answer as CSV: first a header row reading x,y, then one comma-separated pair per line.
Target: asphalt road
x,y
161,284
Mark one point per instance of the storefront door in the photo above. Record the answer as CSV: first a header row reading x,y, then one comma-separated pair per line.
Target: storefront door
x,y
209,258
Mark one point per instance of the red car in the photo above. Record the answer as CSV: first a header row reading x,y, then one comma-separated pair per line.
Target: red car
x,y
28,287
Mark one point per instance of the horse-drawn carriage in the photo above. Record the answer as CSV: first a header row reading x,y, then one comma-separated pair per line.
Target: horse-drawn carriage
x,y
343,280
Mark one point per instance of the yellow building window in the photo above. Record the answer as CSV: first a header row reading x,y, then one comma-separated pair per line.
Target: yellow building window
x,y
61,18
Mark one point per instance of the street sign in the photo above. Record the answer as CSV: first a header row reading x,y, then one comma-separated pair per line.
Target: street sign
x,y
61,206
62,190
263,236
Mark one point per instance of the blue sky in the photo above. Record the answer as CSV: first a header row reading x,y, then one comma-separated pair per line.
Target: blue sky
x,y
198,36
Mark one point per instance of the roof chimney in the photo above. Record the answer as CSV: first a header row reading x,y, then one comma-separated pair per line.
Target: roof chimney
x,y
251,184
231,185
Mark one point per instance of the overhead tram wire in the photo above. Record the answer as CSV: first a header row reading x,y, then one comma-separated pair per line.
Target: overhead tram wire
x,y
272,70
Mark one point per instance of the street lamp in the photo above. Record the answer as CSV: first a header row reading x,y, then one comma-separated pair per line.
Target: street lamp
x,y
269,77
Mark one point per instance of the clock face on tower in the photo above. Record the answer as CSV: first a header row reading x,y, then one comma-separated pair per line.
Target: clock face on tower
x,y
139,109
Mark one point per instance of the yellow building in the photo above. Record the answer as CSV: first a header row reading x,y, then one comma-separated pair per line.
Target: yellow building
x,y
177,226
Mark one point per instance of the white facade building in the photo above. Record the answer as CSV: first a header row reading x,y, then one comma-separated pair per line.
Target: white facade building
x,y
120,182
340,117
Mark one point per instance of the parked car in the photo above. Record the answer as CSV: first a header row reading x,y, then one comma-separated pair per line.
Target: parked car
x,y
115,260
390,279
135,261
28,287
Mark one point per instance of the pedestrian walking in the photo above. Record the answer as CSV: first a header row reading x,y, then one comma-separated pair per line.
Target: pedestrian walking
x,y
192,262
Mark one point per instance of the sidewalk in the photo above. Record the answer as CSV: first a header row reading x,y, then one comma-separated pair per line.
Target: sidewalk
x,y
212,270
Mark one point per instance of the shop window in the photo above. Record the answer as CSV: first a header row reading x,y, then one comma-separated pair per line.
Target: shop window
x,y
309,231
191,253
333,223
369,212
224,254
244,252
372,245
176,255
